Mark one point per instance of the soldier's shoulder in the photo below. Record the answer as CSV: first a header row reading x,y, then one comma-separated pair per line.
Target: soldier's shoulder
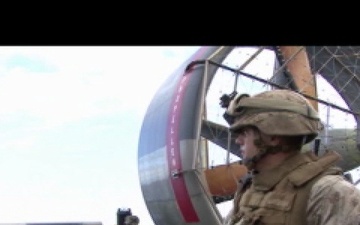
x,y
334,184
335,200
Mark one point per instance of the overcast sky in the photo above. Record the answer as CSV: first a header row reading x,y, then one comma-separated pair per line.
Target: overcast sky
x,y
69,126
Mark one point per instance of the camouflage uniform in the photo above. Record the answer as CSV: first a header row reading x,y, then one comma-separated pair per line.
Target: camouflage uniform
x,y
331,199
304,189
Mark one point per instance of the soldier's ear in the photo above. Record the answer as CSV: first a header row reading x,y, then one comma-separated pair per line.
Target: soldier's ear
x,y
275,140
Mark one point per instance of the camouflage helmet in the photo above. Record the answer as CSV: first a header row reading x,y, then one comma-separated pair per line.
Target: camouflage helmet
x,y
275,112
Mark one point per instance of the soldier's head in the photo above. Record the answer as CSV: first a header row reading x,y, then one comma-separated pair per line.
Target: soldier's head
x,y
270,122
131,220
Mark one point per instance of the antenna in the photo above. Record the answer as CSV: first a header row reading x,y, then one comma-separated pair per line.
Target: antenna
x,y
121,214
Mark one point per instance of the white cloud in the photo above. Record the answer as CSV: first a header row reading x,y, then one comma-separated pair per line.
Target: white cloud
x,y
75,172
85,81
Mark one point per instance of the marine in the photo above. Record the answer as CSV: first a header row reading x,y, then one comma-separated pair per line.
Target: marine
x,y
286,185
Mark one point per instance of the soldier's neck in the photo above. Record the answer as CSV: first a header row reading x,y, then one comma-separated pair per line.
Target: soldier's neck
x,y
271,161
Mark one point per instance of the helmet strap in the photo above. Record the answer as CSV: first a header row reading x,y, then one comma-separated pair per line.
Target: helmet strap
x,y
264,149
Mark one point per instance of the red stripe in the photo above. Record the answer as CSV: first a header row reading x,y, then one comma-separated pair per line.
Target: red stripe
x,y
181,193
